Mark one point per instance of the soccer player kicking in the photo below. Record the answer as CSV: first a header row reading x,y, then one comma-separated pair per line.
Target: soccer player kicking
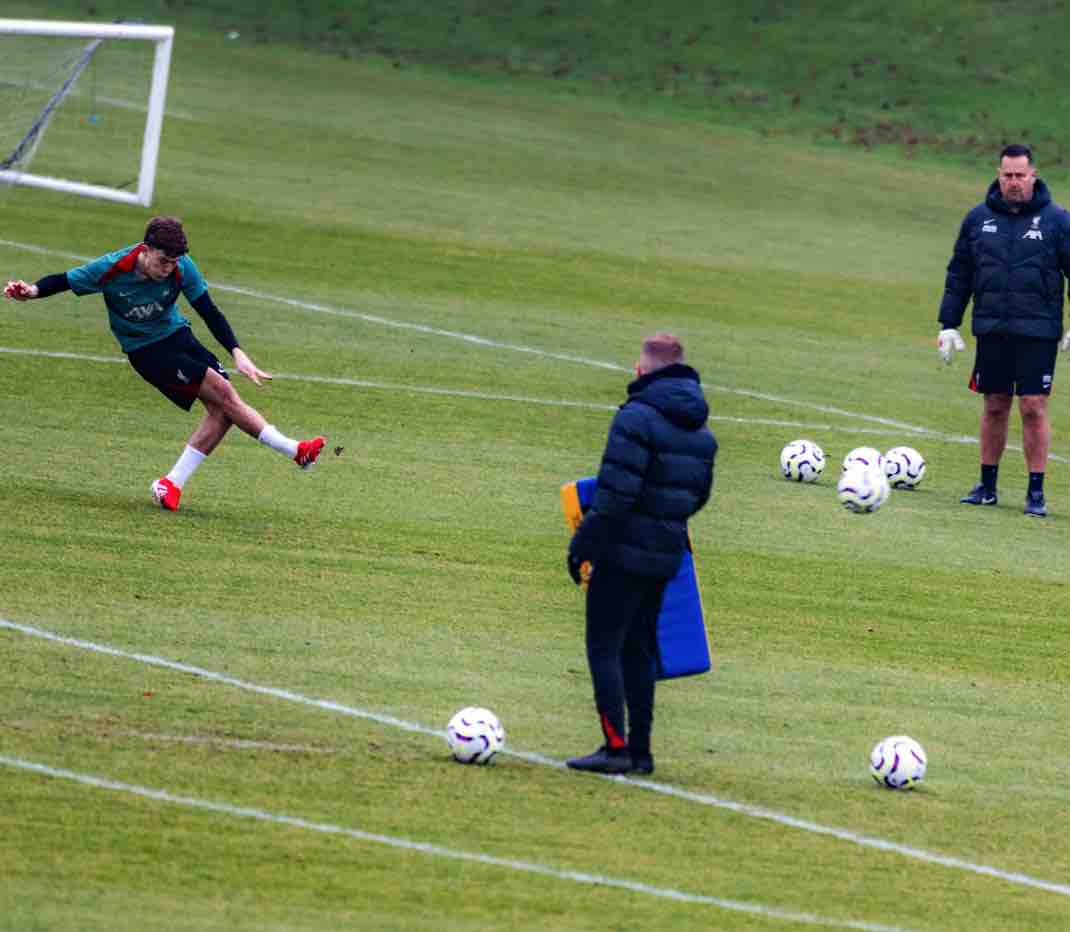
x,y
140,285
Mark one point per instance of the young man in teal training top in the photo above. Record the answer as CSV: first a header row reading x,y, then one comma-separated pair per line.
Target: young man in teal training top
x,y
140,285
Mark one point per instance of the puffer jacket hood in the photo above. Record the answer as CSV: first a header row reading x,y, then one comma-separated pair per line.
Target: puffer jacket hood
x,y
675,392
656,472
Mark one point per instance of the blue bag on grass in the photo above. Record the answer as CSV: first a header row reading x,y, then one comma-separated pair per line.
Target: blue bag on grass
x,y
683,644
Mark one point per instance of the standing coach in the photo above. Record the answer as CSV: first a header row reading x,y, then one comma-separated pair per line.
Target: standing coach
x,y
656,472
1011,256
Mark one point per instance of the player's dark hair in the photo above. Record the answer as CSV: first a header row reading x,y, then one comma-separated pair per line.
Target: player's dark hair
x,y
663,349
1016,150
166,233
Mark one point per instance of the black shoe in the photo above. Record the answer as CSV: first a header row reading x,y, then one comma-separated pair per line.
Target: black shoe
x,y
1035,506
604,760
979,495
642,763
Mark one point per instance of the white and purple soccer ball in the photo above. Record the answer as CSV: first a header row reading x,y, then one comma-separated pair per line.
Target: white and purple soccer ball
x,y
475,735
898,762
865,456
802,461
862,489
904,467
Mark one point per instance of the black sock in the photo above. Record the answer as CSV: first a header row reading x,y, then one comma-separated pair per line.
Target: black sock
x,y
988,476
1036,482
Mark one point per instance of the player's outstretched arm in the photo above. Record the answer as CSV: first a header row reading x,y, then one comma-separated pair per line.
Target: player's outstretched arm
x,y
19,290
248,368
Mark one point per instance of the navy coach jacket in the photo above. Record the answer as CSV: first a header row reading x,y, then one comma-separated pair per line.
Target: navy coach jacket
x,y
656,472
1013,265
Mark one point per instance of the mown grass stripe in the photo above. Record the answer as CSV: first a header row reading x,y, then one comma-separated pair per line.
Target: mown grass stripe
x,y
757,812
433,850
548,354
464,393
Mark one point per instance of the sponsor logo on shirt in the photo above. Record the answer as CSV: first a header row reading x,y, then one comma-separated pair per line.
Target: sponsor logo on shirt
x,y
144,311
1034,233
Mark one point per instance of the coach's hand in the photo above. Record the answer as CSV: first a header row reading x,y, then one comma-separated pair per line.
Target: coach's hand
x,y
248,368
20,291
574,569
580,570
949,341
1064,343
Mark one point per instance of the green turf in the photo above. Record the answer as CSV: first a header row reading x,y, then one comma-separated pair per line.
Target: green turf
x,y
380,214
915,79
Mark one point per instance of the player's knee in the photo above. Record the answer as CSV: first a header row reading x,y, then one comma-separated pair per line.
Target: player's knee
x,y
218,413
1033,407
998,406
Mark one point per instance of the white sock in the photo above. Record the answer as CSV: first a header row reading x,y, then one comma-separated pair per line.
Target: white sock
x,y
270,437
186,466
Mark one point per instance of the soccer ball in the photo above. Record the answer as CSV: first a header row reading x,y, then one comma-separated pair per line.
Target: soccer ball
x,y
802,461
862,488
904,467
475,735
866,456
897,762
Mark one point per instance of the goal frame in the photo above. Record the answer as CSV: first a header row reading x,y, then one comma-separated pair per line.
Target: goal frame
x,y
163,38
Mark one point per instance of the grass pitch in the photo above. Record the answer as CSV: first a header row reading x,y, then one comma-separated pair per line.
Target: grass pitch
x,y
358,223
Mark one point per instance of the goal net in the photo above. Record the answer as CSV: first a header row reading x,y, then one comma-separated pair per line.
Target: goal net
x,y
82,105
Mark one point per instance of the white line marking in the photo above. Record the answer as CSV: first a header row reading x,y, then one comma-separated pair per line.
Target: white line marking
x,y
546,354
842,412
520,399
758,812
448,392
357,315
433,850
330,380
420,328
551,402
43,250
57,354
891,431
238,744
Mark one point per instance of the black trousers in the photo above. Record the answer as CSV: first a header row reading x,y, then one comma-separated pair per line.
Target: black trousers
x,y
622,614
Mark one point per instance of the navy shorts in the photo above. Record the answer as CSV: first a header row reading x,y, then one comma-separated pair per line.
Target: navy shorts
x,y
1011,365
176,366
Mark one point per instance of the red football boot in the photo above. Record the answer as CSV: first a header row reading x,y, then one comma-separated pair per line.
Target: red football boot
x,y
166,493
308,451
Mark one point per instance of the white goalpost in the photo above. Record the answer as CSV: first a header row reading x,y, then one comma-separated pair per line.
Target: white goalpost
x,y
90,82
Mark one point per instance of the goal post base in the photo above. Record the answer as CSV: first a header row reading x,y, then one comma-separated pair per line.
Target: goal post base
x,y
73,187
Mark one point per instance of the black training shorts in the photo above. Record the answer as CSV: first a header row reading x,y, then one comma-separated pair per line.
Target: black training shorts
x,y
1012,365
176,366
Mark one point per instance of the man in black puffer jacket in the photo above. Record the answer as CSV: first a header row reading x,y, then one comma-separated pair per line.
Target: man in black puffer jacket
x,y
656,472
1011,256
